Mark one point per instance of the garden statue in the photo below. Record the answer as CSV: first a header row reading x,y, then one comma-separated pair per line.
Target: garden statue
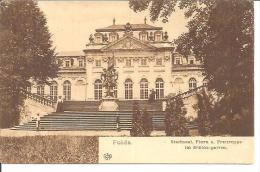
x,y
109,82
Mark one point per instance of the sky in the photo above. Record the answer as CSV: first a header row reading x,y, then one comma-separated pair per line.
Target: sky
x,y
71,22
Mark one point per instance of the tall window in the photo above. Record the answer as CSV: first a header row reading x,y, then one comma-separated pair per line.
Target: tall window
x,y
128,89
80,63
67,90
143,62
67,63
40,90
159,88
98,89
192,83
144,89
98,63
128,62
54,91
29,89
159,62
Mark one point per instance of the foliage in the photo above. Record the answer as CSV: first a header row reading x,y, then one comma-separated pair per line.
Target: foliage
x,y
49,149
204,122
175,120
147,123
26,53
141,122
221,34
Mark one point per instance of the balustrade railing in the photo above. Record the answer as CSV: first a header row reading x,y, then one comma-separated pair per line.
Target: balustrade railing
x,y
188,93
40,99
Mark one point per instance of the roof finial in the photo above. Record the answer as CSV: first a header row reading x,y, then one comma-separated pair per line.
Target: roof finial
x,y
145,20
114,21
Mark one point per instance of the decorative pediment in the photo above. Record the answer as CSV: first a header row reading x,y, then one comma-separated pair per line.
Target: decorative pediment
x,y
128,43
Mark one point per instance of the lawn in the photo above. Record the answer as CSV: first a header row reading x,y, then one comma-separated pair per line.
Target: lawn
x,y
49,149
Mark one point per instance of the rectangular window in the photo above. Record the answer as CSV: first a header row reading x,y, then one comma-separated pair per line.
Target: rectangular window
x,y
80,63
128,63
158,37
113,38
98,40
177,61
159,62
54,92
143,62
40,90
98,63
191,61
143,37
67,63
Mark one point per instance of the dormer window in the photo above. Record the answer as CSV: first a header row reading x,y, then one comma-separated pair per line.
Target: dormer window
x,y
67,63
113,37
98,38
177,60
143,36
191,60
80,63
158,36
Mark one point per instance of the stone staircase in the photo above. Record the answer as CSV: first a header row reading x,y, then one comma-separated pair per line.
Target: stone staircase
x,y
84,115
71,121
88,121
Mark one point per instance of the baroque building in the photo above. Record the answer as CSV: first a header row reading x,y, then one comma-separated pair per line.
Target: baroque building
x,y
144,59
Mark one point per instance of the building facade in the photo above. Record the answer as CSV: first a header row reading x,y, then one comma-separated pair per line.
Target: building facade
x,y
144,59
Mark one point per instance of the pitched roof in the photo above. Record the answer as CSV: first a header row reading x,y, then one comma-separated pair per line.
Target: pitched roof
x,y
135,27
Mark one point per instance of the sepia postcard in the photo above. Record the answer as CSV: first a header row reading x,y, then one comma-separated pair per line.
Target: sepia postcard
x,y
138,81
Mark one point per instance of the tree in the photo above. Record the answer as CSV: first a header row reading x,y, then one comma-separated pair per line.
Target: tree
x,y
141,122
221,34
136,121
26,53
175,120
147,122
204,123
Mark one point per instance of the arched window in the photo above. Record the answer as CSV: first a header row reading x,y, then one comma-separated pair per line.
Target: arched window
x,y
40,90
128,89
192,83
67,90
54,91
98,89
159,88
205,82
144,89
